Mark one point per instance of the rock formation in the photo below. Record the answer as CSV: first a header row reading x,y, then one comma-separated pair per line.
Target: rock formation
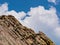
x,y
12,32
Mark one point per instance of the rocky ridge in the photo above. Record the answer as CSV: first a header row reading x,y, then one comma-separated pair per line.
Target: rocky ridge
x,y
12,32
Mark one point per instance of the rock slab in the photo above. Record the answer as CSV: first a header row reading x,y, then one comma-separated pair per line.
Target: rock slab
x,y
12,32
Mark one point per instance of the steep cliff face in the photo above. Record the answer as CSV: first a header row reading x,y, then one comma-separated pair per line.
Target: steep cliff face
x,y
14,33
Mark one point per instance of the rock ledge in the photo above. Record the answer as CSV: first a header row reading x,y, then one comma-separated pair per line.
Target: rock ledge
x,y
12,32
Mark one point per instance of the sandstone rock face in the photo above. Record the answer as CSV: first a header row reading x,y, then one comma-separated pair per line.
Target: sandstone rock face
x,y
14,33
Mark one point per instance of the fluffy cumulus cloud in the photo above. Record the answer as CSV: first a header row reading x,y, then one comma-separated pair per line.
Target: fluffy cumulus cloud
x,y
54,1
3,8
39,19
4,11
18,15
43,20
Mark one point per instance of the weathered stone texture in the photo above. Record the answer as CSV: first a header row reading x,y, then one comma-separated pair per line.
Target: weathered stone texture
x,y
12,32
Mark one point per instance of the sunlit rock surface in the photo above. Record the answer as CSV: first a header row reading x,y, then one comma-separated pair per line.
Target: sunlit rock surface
x,y
12,32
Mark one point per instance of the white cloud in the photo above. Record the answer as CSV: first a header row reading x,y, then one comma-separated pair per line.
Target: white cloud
x,y
3,8
18,15
58,31
4,11
54,1
41,17
44,20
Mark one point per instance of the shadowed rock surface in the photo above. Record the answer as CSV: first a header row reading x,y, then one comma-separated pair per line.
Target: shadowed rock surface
x,y
12,32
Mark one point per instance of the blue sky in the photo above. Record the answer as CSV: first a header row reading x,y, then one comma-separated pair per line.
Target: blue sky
x,y
40,15
24,5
